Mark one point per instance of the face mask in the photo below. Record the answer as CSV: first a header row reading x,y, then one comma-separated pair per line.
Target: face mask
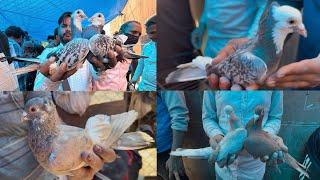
x,y
132,39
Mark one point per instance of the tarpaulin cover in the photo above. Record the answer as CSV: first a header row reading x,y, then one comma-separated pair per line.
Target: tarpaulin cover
x,y
40,17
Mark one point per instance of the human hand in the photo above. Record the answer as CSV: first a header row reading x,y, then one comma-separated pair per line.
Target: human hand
x,y
103,63
216,82
61,73
214,143
303,74
175,167
94,161
196,36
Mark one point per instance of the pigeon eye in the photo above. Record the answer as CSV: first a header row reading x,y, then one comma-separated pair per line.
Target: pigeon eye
x,y
78,12
291,21
99,15
32,109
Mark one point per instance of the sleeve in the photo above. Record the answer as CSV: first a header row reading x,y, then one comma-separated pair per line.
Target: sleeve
x,y
273,123
261,4
138,71
210,120
177,108
48,85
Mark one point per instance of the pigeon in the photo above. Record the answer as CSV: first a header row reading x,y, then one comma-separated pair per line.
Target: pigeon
x,y
58,147
259,143
76,26
97,22
255,60
229,146
75,52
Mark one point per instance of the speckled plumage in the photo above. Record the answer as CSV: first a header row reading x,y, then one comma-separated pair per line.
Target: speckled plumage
x,y
73,53
58,147
256,59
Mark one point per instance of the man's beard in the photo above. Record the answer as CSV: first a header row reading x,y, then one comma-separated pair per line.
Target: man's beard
x,y
64,39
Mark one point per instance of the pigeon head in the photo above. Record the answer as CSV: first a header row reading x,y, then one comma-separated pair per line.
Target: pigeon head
x,y
37,109
233,120
287,20
97,19
79,15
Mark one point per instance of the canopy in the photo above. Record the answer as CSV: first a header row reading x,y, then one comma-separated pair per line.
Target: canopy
x,y
40,17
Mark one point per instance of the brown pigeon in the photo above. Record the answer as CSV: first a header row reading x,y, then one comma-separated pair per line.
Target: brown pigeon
x,y
259,143
58,147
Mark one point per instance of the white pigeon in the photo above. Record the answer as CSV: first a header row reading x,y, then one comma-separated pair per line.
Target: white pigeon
x,y
76,22
255,60
97,21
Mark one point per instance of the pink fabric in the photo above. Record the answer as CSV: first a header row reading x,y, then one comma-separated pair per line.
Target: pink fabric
x,y
113,79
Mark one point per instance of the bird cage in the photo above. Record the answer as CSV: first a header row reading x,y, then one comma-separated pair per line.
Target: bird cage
x,y
8,81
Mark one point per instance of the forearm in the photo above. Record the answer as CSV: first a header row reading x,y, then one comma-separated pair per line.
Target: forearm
x,y
177,139
273,122
209,116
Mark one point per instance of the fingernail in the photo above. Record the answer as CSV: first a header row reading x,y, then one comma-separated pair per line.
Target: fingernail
x,y
97,149
280,75
271,83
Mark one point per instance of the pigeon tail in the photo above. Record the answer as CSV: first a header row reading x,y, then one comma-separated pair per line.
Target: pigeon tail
x,y
195,70
201,153
295,164
133,141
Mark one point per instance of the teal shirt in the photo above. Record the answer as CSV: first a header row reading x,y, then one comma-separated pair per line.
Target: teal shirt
x,y
147,68
215,120
226,20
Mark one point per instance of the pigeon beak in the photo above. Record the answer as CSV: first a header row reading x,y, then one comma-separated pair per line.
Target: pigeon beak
x,y
84,16
301,30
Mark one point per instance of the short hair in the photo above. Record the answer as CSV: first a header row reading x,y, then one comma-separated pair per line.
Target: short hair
x,y
125,25
14,31
151,21
4,44
50,37
55,33
63,17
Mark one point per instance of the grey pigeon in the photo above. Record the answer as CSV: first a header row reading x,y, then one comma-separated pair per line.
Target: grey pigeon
x,y
259,143
255,60
97,22
229,146
75,52
76,23
58,147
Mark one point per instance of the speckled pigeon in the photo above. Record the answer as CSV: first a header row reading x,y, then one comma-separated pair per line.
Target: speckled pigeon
x,y
58,147
255,60
97,22
230,145
76,23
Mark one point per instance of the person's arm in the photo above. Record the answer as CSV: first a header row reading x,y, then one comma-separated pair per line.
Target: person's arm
x,y
138,71
209,115
273,122
260,4
176,105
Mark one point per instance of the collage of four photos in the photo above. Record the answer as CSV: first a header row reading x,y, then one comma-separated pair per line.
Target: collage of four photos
x,y
159,89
